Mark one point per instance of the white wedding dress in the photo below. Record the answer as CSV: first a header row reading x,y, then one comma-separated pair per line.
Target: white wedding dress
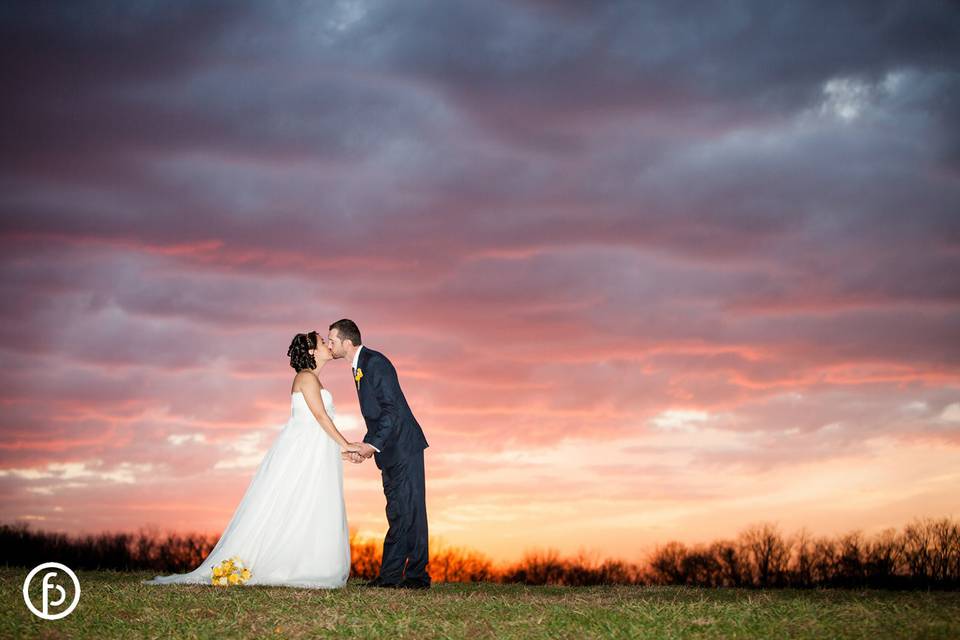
x,y
290,528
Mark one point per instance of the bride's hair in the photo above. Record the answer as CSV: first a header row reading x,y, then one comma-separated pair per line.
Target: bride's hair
x,y
299,351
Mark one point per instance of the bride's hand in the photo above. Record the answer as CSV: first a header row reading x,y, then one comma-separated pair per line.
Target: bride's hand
x,y
352,447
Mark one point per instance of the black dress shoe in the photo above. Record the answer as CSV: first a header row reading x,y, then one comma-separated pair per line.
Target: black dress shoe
x,y
413,584
380,584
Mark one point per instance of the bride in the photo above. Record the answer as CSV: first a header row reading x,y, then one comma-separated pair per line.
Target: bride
x,y
290,528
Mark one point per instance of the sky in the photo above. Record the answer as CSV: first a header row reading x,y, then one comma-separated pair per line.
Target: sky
x,y
648,271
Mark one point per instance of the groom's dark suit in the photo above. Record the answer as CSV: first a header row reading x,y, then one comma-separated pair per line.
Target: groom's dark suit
x,y
392,429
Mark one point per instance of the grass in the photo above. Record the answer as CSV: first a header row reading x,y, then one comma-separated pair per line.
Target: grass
x,y
116,605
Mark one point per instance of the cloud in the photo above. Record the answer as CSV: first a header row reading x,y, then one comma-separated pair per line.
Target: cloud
x,y
124,472
679,420
177,439
678,233
951,413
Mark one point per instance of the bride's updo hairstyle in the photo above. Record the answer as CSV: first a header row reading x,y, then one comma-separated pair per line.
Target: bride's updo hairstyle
x,y
299,351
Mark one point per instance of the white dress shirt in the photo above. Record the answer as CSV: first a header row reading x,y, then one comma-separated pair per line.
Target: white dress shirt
x,y
356,358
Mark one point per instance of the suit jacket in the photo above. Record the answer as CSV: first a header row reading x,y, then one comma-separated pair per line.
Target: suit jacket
x,y
391,427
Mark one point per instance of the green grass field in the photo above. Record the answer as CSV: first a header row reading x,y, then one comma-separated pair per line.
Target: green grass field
x,y
116,605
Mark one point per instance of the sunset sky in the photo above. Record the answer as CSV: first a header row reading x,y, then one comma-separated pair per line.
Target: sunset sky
x,y
648,271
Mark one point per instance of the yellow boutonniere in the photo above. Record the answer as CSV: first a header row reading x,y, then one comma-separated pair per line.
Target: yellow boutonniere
x,y
358,376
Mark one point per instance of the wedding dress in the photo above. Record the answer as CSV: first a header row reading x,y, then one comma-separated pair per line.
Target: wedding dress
x,y
290,528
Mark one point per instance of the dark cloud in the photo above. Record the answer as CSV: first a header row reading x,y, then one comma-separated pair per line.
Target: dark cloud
x,y
562,220
756,57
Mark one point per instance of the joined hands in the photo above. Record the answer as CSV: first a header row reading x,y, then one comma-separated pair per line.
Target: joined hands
x,y
357,452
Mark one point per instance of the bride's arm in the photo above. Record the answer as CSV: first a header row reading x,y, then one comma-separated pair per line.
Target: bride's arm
x,y
311,393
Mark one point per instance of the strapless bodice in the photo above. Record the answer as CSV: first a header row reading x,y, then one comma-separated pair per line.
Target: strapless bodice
x,y
300,409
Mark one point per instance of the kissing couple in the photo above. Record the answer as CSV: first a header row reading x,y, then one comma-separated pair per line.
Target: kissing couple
x,y
290,528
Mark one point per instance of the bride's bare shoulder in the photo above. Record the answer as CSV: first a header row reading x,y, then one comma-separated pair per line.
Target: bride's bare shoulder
x,y
305,381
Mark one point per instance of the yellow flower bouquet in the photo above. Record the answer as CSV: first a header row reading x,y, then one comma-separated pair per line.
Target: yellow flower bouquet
x,y
230,572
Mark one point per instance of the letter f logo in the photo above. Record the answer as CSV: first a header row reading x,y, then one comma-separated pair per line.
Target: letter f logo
x,y
47,587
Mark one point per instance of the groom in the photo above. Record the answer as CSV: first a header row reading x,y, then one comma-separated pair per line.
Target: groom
x,y
396,442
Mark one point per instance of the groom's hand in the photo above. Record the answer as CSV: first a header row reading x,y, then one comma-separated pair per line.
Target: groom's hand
x,y
352,456
363,449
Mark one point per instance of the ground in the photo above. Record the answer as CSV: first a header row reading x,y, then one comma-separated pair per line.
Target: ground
x,y
116,605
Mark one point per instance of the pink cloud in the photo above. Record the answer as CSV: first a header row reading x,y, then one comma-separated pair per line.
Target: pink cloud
x,y
628,291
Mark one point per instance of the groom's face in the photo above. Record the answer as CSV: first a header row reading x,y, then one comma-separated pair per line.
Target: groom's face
x,y
336,344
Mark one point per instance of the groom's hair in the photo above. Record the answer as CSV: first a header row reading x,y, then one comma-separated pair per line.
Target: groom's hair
x,y
347,330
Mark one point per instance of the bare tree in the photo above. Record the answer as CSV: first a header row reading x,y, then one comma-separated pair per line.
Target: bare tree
x,y
727,559
917,549
945,538
801,562
883,557
766,553
666,564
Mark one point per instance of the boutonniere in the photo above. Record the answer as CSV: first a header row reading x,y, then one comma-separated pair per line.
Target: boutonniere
x,y
358,376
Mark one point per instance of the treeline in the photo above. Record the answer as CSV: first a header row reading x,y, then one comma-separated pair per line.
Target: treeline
x,y
924,555
143,551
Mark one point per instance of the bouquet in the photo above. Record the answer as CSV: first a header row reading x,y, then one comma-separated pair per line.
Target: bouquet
x,y
230,572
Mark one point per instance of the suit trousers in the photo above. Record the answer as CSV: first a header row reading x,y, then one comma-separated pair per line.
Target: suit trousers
x,y
405,547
